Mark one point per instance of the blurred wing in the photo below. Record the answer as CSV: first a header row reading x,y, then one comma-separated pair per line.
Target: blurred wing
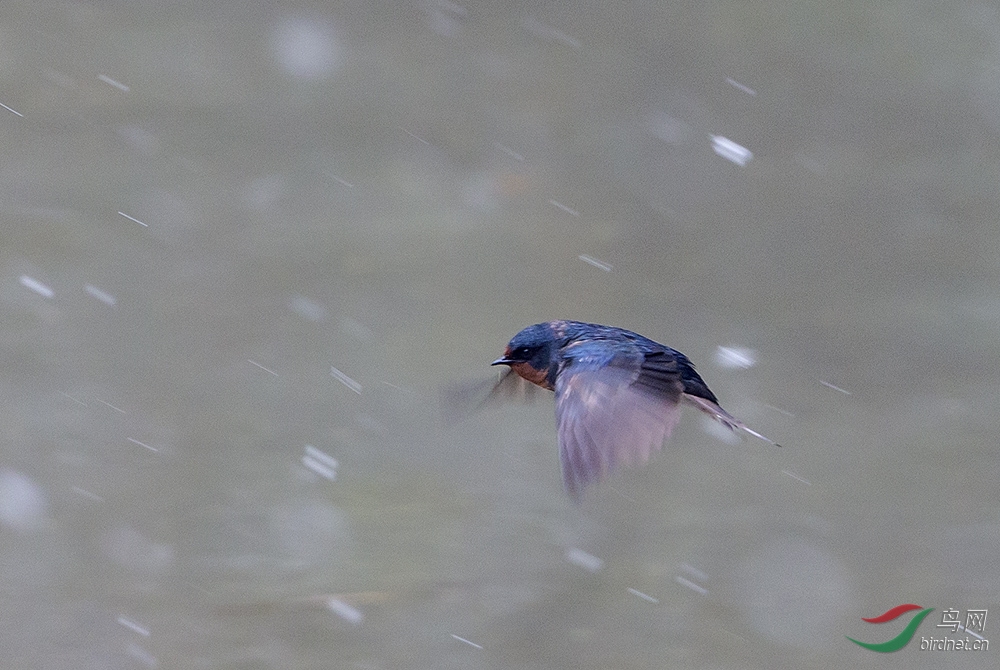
x,y
461,399
614,414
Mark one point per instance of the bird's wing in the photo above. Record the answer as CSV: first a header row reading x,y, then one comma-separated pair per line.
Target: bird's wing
x,y
459,400
613,410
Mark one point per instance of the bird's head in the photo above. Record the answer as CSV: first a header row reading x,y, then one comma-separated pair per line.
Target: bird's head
x,y
530,354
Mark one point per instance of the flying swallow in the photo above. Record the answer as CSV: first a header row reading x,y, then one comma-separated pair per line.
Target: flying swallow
x,y
618,394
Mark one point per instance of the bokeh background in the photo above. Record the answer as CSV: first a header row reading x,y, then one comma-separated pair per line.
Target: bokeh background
x,y
244,245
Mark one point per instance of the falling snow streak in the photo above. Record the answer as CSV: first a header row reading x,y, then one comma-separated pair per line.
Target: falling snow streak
x,y
268,370
600,265
416,137
468,642
691,585
117,409
134,627
568,210
80,402
103,296
87,494
647,598
796,477
111,82
736,84
835,388
320,462
731,151
581,558
130,218
510,152
36,286
691,570
735,357
345,611
345,380
545,31
142,444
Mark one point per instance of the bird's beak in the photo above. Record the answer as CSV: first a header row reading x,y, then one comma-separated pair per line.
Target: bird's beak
x,y
503,360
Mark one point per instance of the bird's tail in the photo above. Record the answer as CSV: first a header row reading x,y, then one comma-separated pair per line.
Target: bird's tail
x,y
724,417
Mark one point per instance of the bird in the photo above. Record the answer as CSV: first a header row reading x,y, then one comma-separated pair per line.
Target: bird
x,y
617,394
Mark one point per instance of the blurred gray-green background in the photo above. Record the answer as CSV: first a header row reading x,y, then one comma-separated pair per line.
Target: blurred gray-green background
x,y
240,239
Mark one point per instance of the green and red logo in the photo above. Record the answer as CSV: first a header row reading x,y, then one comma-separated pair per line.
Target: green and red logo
x,y
901,640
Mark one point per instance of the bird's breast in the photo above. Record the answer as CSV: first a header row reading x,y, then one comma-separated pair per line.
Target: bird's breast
x,y
532,374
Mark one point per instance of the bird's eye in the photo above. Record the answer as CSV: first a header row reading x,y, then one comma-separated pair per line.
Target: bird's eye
x,y
523,352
